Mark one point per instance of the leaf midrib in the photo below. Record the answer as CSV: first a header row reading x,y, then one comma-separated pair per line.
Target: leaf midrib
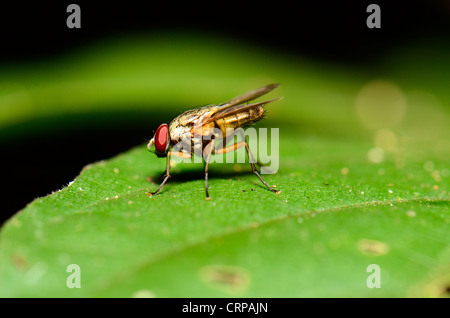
x,y
121,275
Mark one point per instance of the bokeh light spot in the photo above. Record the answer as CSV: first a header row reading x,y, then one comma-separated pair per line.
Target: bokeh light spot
x,y
380,104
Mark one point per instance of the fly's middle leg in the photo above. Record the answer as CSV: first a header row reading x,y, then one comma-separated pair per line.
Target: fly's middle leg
x,y
207,151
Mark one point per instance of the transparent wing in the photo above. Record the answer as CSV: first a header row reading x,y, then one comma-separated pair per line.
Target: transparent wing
x,y
249,96
236,109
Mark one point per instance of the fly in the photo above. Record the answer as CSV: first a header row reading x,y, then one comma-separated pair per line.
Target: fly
x,y
198,125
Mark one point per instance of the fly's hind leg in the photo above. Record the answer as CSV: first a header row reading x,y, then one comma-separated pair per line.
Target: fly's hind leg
x,y
236,146
256,171
259,163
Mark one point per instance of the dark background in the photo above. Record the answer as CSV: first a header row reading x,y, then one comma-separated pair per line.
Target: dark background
x,y
331,31
334,30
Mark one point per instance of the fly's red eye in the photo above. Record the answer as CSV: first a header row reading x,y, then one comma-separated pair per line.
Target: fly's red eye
x,y
161,138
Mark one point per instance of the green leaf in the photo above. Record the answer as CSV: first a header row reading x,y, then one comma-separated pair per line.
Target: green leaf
x,y
316,238
352,195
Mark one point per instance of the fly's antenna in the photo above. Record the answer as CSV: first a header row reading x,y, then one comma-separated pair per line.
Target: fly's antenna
x,y
150,143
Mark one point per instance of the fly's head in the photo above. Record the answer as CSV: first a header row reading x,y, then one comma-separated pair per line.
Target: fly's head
x,y
161,140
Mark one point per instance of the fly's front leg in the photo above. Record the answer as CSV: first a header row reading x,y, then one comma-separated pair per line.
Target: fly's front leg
x,y
207,155
165,178
250,157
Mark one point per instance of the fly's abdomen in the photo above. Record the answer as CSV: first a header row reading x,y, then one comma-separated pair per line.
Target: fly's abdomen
x,y
240,119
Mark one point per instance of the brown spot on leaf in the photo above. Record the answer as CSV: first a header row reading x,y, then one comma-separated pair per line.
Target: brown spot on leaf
x,y
20,262
372,247
231,279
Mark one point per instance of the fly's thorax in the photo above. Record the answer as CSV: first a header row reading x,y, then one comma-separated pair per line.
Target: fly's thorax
x,y
183,124
177,132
